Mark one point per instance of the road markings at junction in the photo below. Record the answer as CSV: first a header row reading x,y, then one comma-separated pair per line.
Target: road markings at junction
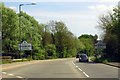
x,y
80,69
73,63
10,74
19,77
76,66
4,72
85,74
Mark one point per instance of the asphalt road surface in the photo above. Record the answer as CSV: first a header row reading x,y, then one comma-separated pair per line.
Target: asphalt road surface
x,y
61,68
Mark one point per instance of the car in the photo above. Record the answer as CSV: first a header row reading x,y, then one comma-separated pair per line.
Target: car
x,y
83,58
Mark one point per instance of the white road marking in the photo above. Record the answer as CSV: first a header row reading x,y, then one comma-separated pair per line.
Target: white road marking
x,y
73,63
4,72
76,66
19,77
85,74
80,69
10,74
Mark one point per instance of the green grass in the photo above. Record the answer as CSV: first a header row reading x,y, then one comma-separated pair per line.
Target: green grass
x,y
8,62
105,61
100,60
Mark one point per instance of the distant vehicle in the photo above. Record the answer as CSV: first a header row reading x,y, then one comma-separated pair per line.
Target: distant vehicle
x,y
83,58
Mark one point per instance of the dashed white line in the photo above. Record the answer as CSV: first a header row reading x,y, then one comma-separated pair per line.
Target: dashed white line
x,y
73,63
19,77
80,69
85,74
4,72
76,66
10,74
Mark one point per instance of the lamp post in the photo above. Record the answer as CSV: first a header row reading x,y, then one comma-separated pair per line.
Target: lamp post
x,y
20,6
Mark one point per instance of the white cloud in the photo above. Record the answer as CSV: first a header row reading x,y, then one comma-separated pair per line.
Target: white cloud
x,y
62,15
77,22
101,8
14,8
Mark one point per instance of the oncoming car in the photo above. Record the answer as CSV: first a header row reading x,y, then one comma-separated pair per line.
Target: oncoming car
x,y
83,58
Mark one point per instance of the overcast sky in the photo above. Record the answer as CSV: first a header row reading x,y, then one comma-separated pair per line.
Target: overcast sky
x,y
80,16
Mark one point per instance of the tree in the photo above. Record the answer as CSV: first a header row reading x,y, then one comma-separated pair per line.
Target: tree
x,y
63,39
10,30
110,25
87,44
50,51
31,31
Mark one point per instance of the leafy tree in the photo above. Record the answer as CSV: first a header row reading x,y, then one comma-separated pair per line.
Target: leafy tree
x,y
87,43
110,25
10,30
50,51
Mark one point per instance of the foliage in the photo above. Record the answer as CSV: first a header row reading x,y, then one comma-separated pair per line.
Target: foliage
x,y
87,44
110,24
10,30
47,41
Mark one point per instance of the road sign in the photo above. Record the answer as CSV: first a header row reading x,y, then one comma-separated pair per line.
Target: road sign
x,y
25,46
119,3
100,44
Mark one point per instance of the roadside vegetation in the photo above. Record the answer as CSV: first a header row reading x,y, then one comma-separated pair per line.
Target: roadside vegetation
x,y
47,41
56,41
110,25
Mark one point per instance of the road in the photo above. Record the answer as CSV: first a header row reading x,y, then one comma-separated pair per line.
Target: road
x,y
61,68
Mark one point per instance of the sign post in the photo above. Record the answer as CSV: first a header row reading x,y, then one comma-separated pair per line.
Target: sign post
x,y
99,46
25,46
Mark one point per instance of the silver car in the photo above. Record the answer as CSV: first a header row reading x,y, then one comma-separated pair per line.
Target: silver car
x,y
83,58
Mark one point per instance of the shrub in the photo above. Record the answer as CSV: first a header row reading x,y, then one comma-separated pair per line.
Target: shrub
x,y
105,61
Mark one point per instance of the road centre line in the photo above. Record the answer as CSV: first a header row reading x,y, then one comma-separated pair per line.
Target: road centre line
x,y
73,63
80,69
85,74
4,72
76,66
10,74
19,77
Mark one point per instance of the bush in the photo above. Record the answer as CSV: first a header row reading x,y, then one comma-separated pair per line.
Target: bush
x,y
105,61
92,58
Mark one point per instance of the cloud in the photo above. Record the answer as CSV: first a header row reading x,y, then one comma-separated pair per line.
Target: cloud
x,y
62,15
77,22
14,8
101,7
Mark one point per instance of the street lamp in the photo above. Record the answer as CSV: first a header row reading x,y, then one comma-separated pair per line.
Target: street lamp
x,y
20,5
